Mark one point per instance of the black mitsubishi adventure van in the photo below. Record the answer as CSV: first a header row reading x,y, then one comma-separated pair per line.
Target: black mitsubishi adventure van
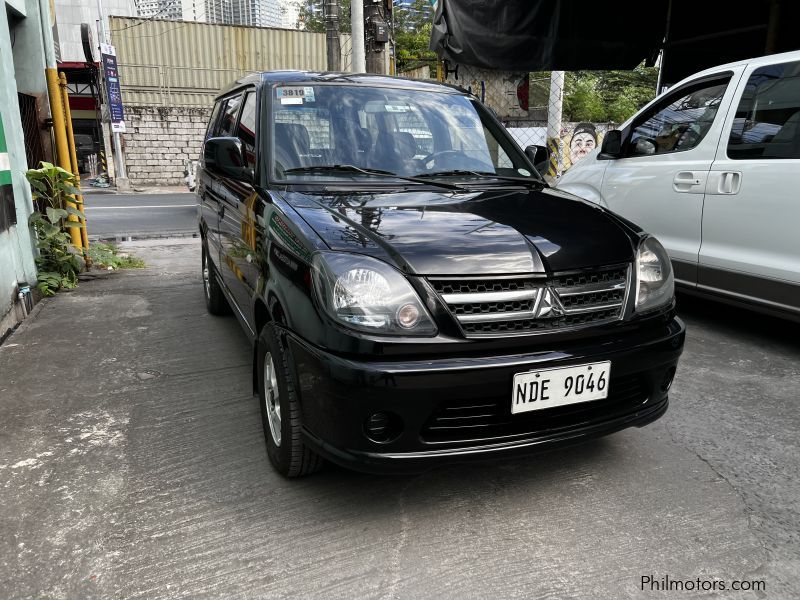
x,y
415,292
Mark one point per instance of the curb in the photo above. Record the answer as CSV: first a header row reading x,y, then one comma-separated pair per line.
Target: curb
x,y
143,235
27,321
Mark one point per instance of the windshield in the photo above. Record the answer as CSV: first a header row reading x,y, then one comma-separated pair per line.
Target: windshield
x,y
319,129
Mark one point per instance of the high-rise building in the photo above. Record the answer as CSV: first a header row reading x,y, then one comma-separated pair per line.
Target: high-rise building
x,y
254,13
290,11
173,10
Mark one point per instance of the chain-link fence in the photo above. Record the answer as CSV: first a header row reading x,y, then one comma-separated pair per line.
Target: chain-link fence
x,y
532,107
570,112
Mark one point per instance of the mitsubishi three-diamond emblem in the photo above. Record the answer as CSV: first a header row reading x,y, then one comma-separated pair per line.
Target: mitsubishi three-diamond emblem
x,y
549,304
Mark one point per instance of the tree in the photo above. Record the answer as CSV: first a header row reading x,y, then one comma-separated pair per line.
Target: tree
x,y
600,96
310,16
412,34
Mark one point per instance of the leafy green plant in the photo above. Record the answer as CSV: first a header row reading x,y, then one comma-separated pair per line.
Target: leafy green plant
x,y
105,255
57,263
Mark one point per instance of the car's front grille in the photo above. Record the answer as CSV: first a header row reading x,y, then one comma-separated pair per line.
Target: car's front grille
x,y
509,305
482,420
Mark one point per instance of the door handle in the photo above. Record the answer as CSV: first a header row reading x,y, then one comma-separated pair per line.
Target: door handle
x,y
729,182
692,182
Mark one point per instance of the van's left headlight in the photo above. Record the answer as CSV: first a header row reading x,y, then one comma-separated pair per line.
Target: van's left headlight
x,y
655,283
367,294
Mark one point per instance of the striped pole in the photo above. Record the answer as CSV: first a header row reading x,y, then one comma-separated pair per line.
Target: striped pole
x,y
73,160
8,210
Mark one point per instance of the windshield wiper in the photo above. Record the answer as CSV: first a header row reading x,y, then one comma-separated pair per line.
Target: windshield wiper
x,y
368,171
481,175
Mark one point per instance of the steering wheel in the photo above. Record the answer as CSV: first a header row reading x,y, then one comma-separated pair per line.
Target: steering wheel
x,y
445,160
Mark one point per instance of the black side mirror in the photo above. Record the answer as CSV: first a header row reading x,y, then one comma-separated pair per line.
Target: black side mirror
x,y
612,145
225,156
539,157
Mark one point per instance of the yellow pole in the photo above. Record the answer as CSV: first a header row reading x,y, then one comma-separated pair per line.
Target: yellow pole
x,y
60,134
73,159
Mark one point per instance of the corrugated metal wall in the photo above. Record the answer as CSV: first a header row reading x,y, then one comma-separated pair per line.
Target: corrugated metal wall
x,y
174,63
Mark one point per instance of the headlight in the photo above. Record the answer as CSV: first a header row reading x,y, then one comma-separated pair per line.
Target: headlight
x,y
366,294
655,284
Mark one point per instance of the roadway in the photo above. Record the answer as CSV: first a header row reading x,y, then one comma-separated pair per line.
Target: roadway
x,y
120,216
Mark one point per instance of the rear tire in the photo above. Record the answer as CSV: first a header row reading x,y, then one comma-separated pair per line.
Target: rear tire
x,y
216,303
280,409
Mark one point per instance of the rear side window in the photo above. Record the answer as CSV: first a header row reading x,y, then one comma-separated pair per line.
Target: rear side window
x,y
247,128
680,121
767,122
227,125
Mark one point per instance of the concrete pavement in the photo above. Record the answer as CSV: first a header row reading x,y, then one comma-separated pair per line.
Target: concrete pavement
x,y
132,465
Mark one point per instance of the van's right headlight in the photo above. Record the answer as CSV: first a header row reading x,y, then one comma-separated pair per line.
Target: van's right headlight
x,y
655,283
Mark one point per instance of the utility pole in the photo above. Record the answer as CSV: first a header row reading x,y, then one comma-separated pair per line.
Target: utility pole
x,y
121,179
333,45
554,113
377,36
357,36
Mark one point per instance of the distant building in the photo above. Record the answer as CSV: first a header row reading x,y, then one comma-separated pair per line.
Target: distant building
x,y
290,11
252,13
173,10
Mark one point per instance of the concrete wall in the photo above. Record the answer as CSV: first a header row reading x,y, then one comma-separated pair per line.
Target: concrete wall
x,y
160,140
16,244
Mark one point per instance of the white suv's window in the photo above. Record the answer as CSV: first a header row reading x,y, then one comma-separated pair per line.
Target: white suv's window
x,y
680,121
767,122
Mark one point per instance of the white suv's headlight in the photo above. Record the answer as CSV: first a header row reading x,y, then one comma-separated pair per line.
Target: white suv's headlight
x,y
655,284
366,294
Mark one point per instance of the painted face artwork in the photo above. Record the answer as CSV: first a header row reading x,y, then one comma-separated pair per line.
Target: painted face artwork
x,y
584,140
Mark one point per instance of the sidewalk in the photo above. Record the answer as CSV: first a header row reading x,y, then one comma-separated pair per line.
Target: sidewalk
x,y
113,410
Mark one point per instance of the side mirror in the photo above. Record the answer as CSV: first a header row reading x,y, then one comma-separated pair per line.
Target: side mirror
x,y
612,145
225,156
539,157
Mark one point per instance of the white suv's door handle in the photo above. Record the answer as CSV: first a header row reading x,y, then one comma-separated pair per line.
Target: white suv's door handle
x,y
729,182
692,182
724,183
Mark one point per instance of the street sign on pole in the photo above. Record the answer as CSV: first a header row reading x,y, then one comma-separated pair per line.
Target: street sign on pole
x,y
113,91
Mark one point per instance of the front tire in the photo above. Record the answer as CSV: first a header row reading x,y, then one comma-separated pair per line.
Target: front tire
x,y
216,303
280,409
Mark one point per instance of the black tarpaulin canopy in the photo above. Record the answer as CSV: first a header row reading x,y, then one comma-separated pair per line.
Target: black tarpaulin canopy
x,y
567,35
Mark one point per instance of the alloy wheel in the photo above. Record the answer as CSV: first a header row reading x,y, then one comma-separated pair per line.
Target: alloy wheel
x,y
272,399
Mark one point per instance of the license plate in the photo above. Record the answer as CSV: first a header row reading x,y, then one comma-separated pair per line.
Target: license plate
x,y
547,388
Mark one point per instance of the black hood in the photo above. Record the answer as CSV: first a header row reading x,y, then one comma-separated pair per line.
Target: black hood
x,y
490,232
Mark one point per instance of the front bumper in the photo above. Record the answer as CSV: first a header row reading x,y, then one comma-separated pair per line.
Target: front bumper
x,y
458,408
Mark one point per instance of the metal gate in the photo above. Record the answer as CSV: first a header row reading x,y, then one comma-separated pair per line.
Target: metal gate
x,y
34,151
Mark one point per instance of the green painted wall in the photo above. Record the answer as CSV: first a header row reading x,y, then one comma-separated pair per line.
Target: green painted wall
x,y
16,245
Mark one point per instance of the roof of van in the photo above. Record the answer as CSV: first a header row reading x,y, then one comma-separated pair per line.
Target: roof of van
x,y
756,61
365,79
